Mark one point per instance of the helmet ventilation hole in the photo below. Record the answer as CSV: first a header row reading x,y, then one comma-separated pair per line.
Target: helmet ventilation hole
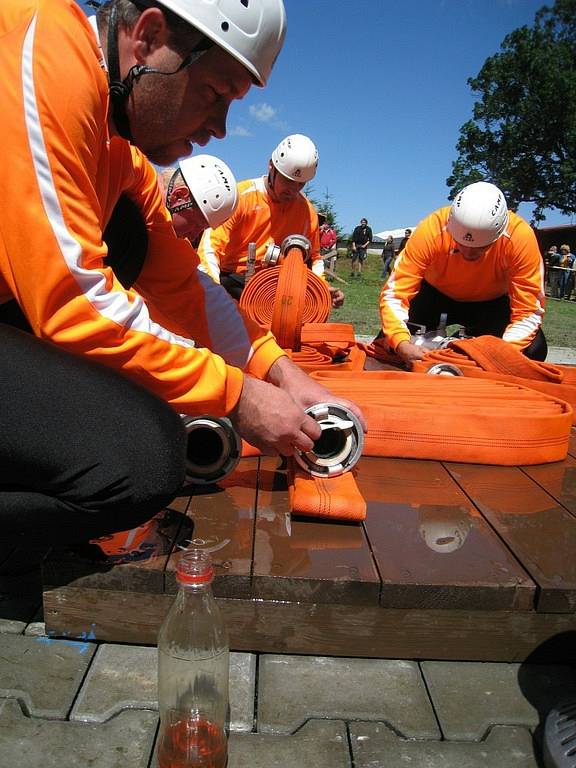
x,y
225,26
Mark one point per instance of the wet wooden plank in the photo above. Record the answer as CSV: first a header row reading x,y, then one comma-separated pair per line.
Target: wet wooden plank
x,y
223,518
304,559
138,567
539,531
558,480
572,443
432,547
324,629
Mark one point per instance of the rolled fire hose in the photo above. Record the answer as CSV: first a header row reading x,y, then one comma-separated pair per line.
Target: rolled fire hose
x,y
213,449
488,357
454,418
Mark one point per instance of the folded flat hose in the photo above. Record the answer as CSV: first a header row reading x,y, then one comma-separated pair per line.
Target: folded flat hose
x,y
488,357
412,415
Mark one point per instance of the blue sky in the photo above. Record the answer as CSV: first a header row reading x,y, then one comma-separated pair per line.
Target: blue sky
x,y
381,87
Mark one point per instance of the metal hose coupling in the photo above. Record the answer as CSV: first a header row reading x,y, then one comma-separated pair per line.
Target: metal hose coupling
x,y
296,241
339,447
445,369
213,449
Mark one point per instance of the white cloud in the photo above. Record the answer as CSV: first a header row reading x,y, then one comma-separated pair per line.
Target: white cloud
x,y
239,130
264,113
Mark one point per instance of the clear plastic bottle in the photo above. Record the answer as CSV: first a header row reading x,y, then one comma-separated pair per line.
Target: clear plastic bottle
x,y
193,672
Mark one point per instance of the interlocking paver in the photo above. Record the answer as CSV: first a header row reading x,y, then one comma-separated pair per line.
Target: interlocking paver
x,y
376,746
125,677
469,697
124,742
12,627
293,689
317,744
43,674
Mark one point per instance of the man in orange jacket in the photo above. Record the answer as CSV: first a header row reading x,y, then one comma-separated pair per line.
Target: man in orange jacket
x,y
270,208
478,263
92,440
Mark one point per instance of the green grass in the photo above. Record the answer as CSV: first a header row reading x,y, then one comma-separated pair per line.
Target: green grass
x,y
361,305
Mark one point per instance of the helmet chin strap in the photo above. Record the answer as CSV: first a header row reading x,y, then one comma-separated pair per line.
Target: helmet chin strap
x,y
119,90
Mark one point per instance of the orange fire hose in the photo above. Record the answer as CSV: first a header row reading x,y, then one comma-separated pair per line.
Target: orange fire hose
x,y
259,296
488,357
336,498
413,415
294,303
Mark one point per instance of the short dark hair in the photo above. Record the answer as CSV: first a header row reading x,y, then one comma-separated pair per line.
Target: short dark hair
x,y
183,36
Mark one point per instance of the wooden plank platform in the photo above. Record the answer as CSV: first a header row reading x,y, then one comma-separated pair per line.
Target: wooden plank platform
x,y
454,561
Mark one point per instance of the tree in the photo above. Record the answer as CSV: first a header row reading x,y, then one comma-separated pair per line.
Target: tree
x,y
326,205
523,133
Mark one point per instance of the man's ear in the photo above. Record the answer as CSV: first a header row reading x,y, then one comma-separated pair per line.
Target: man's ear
x,y
149,34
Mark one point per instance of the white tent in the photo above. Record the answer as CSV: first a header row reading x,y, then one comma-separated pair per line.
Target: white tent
x,y
397,234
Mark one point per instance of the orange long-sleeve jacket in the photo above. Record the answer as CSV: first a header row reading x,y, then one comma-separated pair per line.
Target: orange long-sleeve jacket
x,y
62,174
512,265
258,219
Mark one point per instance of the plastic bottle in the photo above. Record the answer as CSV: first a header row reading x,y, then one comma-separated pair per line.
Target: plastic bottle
x,y
193,672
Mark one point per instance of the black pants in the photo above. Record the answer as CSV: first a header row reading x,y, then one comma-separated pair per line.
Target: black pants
x,y
480,318
234,283
83,450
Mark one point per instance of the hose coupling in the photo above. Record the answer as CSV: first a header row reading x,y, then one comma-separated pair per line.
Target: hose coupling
x,y
339,447
213,449
444,369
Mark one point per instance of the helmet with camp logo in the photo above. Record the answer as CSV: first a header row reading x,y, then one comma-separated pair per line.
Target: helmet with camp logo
x,y
478,215
252,31
212,185
296,157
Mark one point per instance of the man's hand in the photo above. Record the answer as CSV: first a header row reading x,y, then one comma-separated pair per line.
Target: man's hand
x,y
268,418
337,297
409,352
304,390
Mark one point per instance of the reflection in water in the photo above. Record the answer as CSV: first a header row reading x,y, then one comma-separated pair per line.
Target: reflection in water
x,y
443,529
154,538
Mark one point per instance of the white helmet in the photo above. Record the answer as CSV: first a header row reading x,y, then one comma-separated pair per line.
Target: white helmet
x,y
478,216
252,31
296,157
212,185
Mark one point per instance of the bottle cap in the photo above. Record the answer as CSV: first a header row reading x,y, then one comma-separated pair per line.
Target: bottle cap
x,y
195,567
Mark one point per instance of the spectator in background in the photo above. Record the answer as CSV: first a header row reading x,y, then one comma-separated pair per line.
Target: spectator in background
x,y
567,262
361,239
547,258
388,254
328,239
407,236
554,272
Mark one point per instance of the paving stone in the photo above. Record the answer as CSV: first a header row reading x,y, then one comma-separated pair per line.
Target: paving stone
x,y
12,627
125,677
124,742
36,628
376,746
293,689
44,674
469,697
318,744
